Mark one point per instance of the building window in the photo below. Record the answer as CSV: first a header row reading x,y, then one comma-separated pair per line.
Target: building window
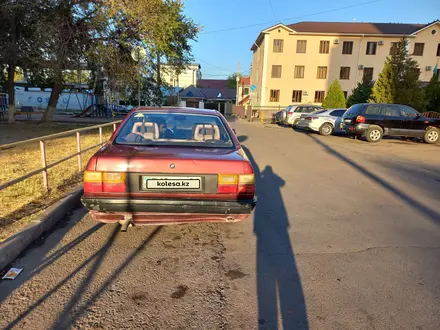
x,y
418,48
393,48
319,96
278,45
324,47
301,46
299,71
347,48
274,95
371,48
438,50
344,73
246,91
345,94
322,72
368,74
276,71
297,96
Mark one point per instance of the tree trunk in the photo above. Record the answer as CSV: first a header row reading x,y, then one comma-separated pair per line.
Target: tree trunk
x,y
53,100
11,92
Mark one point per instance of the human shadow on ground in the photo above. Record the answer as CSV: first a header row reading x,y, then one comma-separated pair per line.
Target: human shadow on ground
x,y
279,290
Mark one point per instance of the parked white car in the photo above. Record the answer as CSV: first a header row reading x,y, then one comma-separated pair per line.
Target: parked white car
x,y
325,122
295,112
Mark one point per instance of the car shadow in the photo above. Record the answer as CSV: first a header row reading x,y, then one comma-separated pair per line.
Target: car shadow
x,y
279,288
428,212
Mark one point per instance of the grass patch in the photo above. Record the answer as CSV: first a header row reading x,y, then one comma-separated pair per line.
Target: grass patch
x,y
23,201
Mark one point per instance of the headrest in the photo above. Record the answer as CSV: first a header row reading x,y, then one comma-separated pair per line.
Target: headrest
x,y
204,132
147,129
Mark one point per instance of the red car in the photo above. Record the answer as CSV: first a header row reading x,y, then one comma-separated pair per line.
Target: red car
x,y
164,166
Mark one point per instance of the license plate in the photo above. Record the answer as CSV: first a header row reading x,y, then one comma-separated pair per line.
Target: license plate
x,y
348,121
172,183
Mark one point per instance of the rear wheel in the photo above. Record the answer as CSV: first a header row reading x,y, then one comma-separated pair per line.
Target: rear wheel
x,y
326,129
374,134
432,135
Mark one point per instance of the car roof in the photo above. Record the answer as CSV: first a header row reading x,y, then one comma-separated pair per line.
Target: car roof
x,y
195,111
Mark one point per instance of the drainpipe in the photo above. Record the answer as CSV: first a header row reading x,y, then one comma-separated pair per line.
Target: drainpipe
x,y
359,54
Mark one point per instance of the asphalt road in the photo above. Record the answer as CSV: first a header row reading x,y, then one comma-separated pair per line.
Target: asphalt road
x,y
346,235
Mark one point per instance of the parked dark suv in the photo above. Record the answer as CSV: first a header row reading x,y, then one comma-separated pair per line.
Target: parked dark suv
x,y
373,121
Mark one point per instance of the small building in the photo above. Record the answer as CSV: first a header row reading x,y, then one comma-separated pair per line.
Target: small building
x,y
243,91
190,76
208,98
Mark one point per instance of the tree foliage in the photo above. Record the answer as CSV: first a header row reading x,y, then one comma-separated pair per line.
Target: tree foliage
x,y
57,36
335,96
432,94
399,80
232,80
360,94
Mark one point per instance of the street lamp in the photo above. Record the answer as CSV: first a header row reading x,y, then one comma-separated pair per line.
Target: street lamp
x,y
138,54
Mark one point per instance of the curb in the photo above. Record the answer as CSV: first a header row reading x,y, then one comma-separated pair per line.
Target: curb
x,y
14,245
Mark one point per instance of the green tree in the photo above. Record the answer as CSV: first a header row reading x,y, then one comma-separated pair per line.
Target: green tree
x,y
232,80
335,97
360,94
399,80
432,94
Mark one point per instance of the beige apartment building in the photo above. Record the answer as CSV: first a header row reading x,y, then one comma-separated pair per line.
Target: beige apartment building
x,y
296,63
187,77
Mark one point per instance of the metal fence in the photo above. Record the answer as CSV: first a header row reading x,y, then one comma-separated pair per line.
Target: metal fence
x,y
42,140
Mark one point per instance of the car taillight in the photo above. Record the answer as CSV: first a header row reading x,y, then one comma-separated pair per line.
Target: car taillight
x,y
232,184
313,118
96,182
289,114
360,119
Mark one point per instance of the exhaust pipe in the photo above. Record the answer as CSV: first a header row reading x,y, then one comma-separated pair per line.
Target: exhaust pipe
x,y
126,223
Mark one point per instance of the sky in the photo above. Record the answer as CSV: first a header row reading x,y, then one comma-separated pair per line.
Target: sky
x,y
219,52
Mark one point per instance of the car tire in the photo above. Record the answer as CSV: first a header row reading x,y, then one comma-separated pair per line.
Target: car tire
x,y
326,129
432,135
373,134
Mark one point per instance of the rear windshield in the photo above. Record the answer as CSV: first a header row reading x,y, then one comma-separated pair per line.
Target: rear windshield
x,y
174,129
317,112
354,110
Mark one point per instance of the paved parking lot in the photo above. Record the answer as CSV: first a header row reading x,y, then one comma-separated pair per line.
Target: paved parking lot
x,y
346,235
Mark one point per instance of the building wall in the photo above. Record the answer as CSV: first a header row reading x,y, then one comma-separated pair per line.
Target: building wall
x,y
334,60
186,78
257,73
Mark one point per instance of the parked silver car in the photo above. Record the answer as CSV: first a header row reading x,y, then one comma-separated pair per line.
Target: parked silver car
x,y
294,113
325,122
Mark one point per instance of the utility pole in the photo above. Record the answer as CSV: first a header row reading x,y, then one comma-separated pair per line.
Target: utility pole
x,y
237,94
140,77
159,94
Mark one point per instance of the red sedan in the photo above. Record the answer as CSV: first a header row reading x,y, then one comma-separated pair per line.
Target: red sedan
x,y
164,166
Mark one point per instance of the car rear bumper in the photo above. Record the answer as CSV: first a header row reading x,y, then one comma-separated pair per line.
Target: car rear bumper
x,y
156,211
357,129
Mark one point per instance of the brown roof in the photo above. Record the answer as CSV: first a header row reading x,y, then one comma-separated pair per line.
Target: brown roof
x,y
356,28
212,83
246,81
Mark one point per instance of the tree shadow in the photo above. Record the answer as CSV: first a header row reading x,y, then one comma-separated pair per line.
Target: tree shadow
x,y
278,279
428,212
72,310
35,265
